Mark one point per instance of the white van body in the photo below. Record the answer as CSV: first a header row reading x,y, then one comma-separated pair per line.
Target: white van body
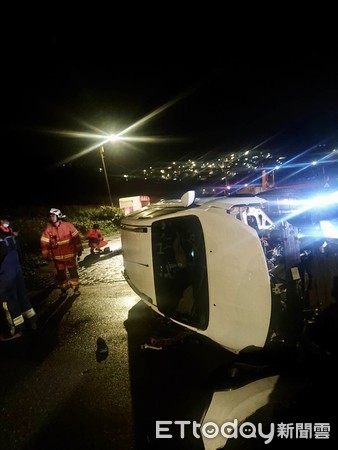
x,y
203,263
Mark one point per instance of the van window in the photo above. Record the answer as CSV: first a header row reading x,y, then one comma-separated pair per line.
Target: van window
x,y
180,270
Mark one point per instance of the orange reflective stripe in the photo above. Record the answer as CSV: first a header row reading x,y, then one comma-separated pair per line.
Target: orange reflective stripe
x,y
65,241
62,257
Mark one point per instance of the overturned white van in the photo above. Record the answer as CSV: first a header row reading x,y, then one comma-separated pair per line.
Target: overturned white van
x,y
218,266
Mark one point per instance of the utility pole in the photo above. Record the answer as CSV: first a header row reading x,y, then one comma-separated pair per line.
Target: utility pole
x,y
105,174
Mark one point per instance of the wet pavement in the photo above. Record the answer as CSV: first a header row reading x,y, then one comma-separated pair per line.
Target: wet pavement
x,y
58,389
92,269
86,379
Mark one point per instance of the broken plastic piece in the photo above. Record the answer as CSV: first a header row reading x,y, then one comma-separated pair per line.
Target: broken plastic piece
x,y
151,347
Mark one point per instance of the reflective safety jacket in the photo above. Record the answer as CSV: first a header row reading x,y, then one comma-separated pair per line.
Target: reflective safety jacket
x,y
60,241
94,236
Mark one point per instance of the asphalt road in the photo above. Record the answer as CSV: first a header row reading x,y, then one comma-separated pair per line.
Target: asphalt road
x,y
55,391
59,391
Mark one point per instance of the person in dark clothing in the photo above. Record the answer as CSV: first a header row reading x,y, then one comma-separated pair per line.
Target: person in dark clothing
x,y
13,295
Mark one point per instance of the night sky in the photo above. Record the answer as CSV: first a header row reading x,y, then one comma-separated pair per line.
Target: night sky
x,y
280,100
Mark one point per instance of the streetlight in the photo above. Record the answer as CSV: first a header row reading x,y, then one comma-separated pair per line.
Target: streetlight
x,y
105,174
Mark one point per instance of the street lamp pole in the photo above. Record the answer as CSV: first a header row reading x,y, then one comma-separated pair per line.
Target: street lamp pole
x,y
105,174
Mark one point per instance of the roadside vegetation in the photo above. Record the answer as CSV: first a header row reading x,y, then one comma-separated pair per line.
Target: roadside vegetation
x,y
31,221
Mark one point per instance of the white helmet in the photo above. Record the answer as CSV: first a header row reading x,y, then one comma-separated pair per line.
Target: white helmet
x,y
57,212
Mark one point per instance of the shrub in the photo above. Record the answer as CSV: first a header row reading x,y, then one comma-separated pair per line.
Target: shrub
x,y
30,222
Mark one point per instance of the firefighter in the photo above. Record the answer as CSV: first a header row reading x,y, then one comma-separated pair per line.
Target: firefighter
x,y
13,295
95,239
61,243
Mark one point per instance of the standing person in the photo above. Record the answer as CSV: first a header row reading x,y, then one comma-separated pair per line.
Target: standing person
x,y
60,242
95,239
13,295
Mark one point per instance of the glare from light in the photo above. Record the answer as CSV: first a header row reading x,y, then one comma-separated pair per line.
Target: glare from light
x,y
320,201
129,300
113,137
329,229
103,138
